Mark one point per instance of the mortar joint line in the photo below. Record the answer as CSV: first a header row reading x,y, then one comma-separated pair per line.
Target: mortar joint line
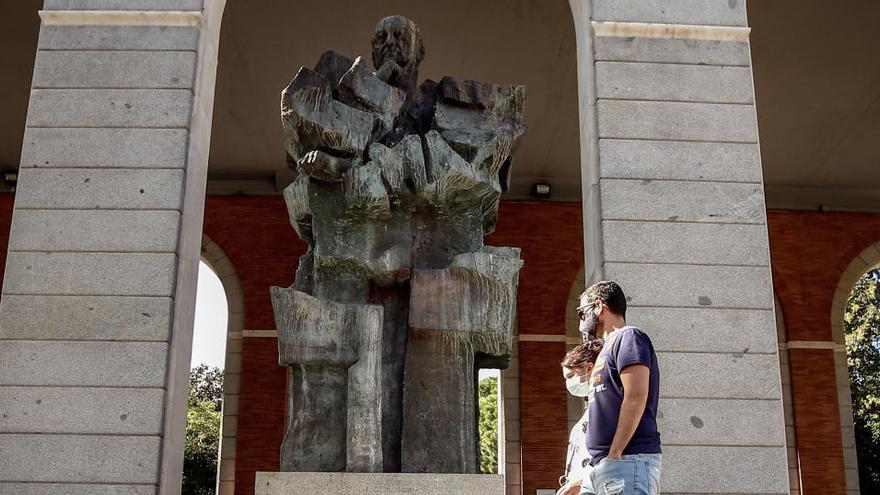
x,y
617,29
121,18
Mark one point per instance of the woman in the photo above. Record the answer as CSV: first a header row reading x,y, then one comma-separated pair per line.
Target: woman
x,y
577,366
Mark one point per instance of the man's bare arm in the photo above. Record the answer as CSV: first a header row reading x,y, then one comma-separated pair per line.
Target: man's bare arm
x,y
635,379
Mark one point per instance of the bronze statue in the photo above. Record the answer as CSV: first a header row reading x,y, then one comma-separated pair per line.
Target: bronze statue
x,y
397,302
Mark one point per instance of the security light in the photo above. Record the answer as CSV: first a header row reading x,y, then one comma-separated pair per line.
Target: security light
x,y
542,190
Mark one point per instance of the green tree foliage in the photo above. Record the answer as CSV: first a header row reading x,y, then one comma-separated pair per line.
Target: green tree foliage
x,y
203,419
488,397
206,384
862,329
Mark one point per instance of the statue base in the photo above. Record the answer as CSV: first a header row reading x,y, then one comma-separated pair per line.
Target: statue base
x,y
268,483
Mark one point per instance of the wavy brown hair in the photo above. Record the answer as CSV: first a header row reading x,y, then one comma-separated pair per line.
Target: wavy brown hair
x,y
583,354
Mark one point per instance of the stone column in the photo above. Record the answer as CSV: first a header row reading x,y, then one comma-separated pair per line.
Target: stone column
x,y
674,211
99,291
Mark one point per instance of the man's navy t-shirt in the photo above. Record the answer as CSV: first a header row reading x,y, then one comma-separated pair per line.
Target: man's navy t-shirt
x,y
625,347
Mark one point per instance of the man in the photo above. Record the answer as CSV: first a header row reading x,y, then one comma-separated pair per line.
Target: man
x,y
622,435
577,366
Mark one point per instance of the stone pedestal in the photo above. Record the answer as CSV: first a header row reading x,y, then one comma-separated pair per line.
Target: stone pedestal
x,y
378,483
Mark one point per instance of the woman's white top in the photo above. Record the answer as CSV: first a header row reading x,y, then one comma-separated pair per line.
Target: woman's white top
x,y
578,459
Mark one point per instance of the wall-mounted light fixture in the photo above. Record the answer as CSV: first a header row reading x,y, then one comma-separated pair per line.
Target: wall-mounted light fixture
x,y
10,179
542,190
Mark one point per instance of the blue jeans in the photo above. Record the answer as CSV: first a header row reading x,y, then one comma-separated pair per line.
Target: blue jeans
x,y
635,474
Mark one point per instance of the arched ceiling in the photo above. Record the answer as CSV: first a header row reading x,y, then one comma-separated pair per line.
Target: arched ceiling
x,y
817,84
264,42
19,29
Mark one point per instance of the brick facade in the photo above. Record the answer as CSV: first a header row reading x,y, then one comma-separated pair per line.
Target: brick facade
x,y
257,237
809,253
544,412
255,234
551,239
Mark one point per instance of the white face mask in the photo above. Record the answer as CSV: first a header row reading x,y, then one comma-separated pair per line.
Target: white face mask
x,y
576,387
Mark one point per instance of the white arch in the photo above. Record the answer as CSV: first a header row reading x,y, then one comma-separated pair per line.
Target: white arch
x,y
216,258
866,261
794,470
191,223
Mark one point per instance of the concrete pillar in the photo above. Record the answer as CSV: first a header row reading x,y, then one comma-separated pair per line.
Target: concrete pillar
x,y
674,211
99,291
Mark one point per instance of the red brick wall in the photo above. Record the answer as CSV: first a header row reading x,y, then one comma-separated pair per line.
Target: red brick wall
x,y
809,253
551,239
261,420
544,413
255,234
817,421
257,237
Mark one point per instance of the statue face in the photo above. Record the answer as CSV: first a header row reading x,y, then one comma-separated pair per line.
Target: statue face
x,y
397,39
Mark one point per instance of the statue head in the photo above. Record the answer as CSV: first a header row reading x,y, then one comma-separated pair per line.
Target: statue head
x,y
398,41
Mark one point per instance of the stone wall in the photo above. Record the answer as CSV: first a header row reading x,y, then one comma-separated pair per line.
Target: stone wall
x,y
675,213
99,288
